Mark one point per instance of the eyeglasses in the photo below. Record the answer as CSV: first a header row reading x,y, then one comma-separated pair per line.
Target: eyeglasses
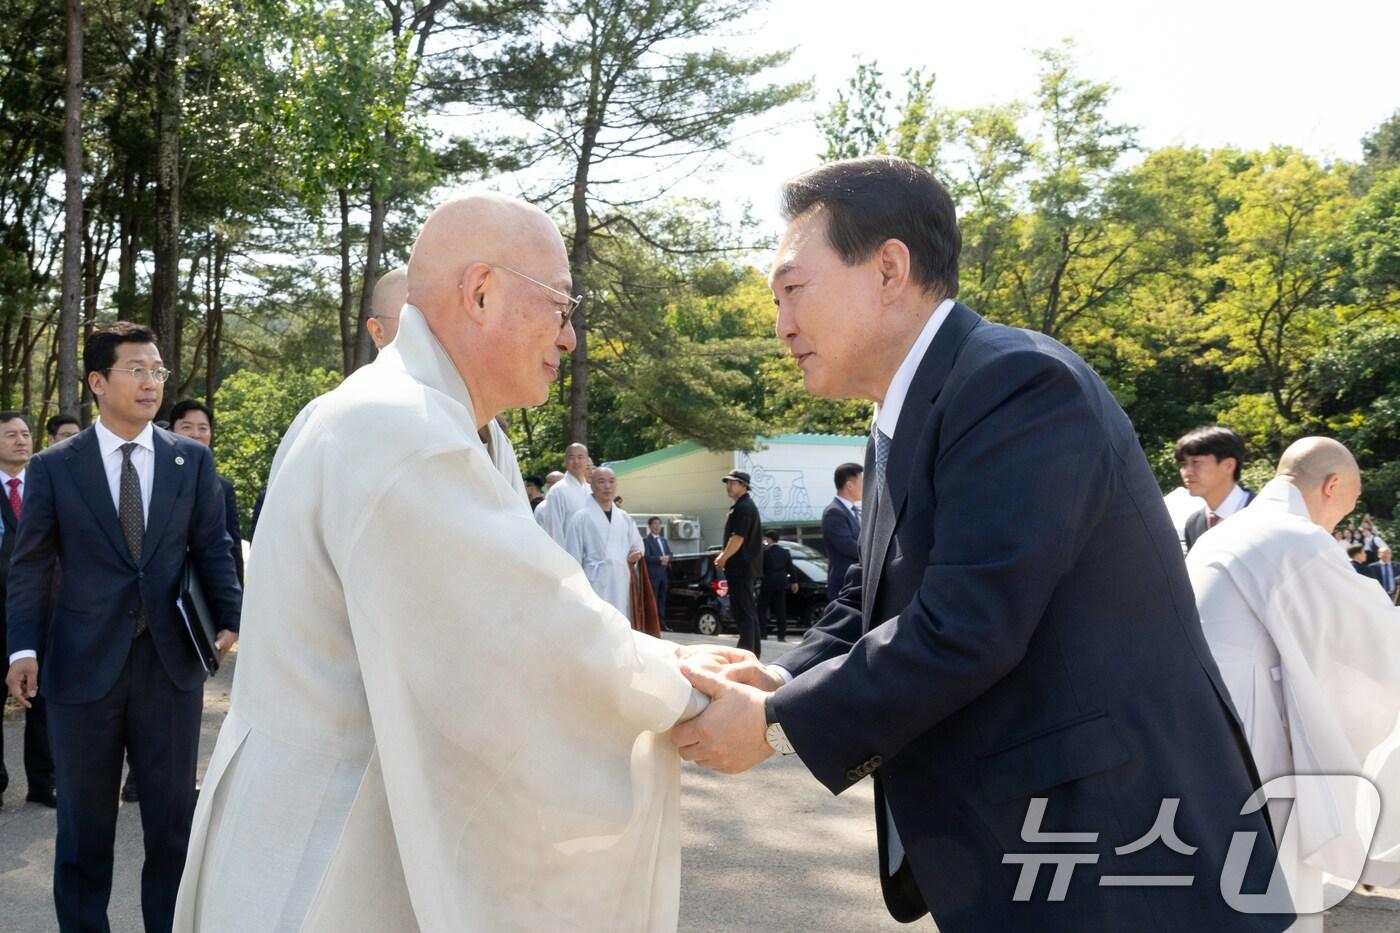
x,y
571,301
157,376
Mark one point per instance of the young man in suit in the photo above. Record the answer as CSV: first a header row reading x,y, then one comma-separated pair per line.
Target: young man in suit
x,y
121,508
841,526
658,557
1019,654
1211,458
777,581
16,446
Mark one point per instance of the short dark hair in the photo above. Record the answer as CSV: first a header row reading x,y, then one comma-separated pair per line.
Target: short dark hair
x,y
654,518
847,472
533,480
879,198
1354,549
100,350
771,535
12,415
185,406
1215,441
58,421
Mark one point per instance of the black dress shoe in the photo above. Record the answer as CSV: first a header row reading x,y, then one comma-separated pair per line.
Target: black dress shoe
x,y
48,796
129,791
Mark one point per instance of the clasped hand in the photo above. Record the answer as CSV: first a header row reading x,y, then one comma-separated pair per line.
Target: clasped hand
x,y
730,735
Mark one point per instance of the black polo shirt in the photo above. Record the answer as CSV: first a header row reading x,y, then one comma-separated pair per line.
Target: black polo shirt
x,y
743,521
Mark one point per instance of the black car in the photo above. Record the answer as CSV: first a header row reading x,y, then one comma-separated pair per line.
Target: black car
x,y
698,594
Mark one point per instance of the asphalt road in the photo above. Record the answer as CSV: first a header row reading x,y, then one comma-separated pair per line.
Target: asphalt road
x,y
769,850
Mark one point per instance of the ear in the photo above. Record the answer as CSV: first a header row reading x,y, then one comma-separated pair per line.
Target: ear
x,y
478,286
892,259
97,383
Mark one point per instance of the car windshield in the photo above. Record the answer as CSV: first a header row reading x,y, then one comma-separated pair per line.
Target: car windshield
x,y
815,570
802,550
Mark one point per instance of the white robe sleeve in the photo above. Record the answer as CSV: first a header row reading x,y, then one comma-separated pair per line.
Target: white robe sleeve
x,y
514,712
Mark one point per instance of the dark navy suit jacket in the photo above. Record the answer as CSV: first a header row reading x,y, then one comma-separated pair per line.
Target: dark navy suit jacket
x,y
841,532
1023,627
69,518
653,550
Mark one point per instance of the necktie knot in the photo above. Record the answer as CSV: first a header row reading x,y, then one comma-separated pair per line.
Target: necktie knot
x,y
126,450
16,504
1212,519
14,485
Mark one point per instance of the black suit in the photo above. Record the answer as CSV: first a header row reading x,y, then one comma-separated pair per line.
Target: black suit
x,y
841,532
38,759
655,547
231,525
110,690
772,593
1199,522
1021,628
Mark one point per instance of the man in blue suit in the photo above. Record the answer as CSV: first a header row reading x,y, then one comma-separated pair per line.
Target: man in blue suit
x,y
121,508
841,526
657,551
1017,661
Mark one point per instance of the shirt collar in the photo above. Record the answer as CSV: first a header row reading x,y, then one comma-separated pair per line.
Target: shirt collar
x,y
1286,495
108,442
887,414
1233,502
848,503
5,477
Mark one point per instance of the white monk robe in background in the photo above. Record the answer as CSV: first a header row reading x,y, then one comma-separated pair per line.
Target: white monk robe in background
x,y
568,495
602,537
1310,652
436,725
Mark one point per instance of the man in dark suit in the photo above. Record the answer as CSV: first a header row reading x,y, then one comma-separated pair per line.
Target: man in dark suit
x,y
193,419
841,526
1210,460
1018,658
778,580
1385,571
121,507
657,551
16,446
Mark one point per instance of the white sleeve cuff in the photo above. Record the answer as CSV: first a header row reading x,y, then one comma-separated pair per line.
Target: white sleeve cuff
x,y
23,654
783,672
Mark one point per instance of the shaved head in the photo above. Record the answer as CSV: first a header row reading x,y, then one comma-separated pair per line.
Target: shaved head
x,y
1326,474
604,483
577,461
482,272
390,293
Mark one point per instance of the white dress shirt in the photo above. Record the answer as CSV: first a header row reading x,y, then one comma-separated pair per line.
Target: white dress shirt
x,y
850,506
1233,503
887,412
143,458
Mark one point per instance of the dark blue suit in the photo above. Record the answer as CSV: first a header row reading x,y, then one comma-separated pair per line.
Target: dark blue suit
x,y
1022,627
841,532
38,759
653,549
107,691
231,525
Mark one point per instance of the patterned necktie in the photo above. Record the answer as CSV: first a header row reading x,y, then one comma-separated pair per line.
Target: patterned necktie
x,y
129,504
1212,519
16,504
856,509
882,456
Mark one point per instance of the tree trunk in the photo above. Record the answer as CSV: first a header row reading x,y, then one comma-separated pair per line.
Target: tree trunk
x,y
374,250
578,266
347,333
71,308
170,87
215,326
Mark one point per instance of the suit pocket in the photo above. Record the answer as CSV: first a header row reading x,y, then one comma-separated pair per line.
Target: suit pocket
x,y
1068,753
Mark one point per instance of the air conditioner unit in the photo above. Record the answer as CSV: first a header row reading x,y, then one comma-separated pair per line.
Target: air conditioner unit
x,y
685,529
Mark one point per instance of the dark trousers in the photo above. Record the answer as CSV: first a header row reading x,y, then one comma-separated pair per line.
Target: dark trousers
x,y
772,603
145,717
660,583
741,603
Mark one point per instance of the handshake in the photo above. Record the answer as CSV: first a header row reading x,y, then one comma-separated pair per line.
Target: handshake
x,y
730,735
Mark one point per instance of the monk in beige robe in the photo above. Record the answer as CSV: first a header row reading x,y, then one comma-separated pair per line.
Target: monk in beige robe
x,y
436,724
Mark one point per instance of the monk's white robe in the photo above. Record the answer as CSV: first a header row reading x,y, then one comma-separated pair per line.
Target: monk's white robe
x,y
1310,652
563,499
601,548
436,724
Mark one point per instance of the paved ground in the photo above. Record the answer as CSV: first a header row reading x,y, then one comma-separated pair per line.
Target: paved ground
x,y
770,850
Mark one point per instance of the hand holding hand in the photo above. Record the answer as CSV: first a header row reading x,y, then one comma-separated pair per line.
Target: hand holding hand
x,y
729,736
224,641
23,681
734,664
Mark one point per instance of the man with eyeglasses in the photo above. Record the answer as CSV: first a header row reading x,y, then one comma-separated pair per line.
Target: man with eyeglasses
x,y
385,303
121,508
437,724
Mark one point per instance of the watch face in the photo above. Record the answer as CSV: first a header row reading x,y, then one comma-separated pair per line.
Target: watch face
x,y
778,740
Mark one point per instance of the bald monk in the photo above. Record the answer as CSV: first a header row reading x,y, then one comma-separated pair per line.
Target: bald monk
x,y
604,539
1310,652
436,725
568,495
385,304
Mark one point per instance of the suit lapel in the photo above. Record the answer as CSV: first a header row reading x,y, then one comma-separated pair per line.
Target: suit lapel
x,y
84,461
923,391
166,479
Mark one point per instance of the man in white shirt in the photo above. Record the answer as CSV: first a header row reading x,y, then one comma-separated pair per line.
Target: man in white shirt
x,y
1309,650
602,537
1211,458
568,495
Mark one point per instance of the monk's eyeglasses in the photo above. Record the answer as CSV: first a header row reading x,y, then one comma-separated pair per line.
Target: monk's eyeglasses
x,y
571,302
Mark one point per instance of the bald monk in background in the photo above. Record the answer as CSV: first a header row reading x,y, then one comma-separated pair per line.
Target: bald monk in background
x,y
1310,652
385,305
391,760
